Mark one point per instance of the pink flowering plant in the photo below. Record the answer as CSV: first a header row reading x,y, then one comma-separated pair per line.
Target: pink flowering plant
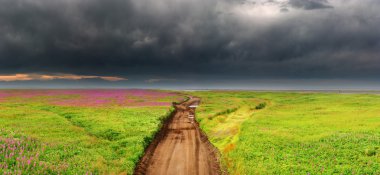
x,y
3,96
22,155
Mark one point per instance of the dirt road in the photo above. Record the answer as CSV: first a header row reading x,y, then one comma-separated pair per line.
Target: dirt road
x,y
180,147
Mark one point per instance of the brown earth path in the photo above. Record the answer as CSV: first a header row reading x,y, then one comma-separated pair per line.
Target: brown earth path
x,y
180,148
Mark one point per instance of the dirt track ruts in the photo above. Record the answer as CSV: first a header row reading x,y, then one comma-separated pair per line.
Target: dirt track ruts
x,y
180,147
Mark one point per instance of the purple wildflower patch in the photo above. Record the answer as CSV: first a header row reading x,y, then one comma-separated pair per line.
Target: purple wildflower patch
x,y
94,98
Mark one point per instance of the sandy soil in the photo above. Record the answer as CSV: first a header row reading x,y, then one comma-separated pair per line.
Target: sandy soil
x,y
180,147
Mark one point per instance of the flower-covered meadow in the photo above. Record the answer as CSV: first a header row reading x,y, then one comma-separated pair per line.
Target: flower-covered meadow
x,y
92,97
78,131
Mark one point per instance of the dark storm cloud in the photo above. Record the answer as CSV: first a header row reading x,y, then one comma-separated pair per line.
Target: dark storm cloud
x,y
310,4
174,38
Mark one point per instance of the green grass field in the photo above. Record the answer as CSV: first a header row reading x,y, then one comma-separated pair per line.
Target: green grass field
x,y
105,132
295,133
38,136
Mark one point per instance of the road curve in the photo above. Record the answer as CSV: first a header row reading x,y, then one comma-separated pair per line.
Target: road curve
x,y
180,148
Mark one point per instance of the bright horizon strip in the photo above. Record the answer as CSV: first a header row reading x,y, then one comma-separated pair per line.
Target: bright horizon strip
x,y
46,77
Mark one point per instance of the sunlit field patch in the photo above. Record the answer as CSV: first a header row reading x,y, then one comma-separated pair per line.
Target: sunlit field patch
x,y
81,131
294,133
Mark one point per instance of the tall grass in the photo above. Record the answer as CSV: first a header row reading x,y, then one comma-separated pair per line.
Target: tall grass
x,y
261,105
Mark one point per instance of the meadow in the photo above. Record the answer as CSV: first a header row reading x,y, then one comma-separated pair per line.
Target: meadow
x,y
78,131
106,131
293,133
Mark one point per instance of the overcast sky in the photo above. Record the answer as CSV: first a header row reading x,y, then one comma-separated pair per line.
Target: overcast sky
x,y
149,42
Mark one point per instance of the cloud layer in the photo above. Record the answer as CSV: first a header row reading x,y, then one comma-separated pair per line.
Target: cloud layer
x,y
176,38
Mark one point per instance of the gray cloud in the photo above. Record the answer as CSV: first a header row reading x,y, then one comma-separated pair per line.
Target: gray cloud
x,y
172,38
310,4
